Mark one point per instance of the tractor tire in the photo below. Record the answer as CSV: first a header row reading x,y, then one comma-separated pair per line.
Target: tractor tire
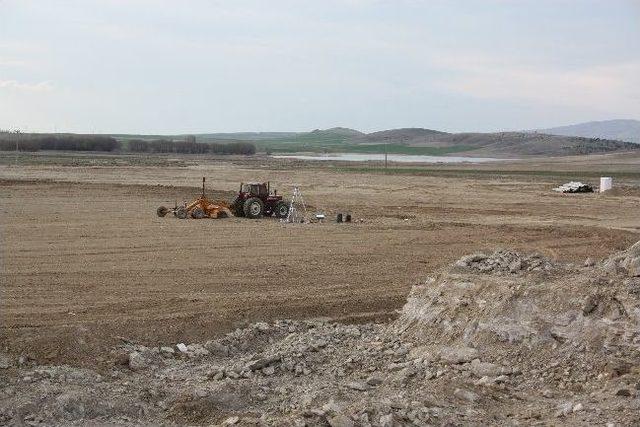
x,y
197,213
282,209
181,213
162,211
253,208
237,206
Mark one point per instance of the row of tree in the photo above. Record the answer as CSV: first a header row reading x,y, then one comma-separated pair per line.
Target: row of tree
x,y
10,141
31,142
190,147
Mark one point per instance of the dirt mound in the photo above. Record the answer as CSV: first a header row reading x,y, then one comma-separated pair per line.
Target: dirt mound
x,y
482,342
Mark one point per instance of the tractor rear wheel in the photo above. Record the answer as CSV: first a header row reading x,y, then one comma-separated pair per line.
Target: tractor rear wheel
x,y
197,213
253,208
282,209
162,211
237,206
181,213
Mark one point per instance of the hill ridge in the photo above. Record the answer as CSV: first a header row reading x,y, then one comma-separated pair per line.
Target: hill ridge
x,y
617,129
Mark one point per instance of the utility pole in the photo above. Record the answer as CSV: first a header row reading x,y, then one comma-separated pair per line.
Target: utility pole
x,y
17,138
386,141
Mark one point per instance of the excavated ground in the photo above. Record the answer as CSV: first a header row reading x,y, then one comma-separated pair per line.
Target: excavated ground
x,y
499,339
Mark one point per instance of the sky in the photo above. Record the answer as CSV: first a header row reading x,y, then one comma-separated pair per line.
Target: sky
x,y
167,67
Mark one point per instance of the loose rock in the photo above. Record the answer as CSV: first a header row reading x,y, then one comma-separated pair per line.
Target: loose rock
x,y
356,385
457,355
466,395
137,361
340,420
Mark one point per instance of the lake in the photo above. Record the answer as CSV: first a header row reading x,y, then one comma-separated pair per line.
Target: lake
x,y
400,158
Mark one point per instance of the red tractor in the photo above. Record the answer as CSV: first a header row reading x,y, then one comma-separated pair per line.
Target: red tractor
x,y
255,200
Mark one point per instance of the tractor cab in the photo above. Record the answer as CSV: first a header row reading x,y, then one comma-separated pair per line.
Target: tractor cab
x,y
255,189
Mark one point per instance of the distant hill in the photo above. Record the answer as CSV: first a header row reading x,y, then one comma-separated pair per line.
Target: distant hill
x,y
515,144
266,136
433,142
502,144
415,141
621,130
339,131
243,136
402,135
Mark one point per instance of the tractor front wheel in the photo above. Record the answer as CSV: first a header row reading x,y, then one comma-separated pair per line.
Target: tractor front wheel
x,y
197,213
253,208
282,209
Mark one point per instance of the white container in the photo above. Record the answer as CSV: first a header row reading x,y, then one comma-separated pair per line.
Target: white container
x,y
605,183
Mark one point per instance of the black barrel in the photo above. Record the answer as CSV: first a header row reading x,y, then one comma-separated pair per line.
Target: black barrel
x,y
339,218
347,218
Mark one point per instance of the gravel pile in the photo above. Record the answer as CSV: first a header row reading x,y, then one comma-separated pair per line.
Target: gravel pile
x,y
626,262
504,261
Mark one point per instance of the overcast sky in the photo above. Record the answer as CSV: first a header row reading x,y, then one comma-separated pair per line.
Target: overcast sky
x,y
143,66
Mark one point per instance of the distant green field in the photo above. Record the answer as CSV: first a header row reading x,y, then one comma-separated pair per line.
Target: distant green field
x,y
314,142
337,144
308,141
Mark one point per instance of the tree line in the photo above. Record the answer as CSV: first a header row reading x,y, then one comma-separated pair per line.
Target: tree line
x,y
12,141
30,142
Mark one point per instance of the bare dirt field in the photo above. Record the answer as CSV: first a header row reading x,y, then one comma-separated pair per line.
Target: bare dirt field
x,y
86,262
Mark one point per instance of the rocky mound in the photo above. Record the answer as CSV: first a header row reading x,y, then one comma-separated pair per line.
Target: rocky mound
x,y
626,262
481,343
504,261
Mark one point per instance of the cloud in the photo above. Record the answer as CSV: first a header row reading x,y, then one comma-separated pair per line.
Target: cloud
x,y
9,62
44,86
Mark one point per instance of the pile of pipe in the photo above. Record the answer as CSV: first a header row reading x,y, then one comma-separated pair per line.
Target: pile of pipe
x,y
574,187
